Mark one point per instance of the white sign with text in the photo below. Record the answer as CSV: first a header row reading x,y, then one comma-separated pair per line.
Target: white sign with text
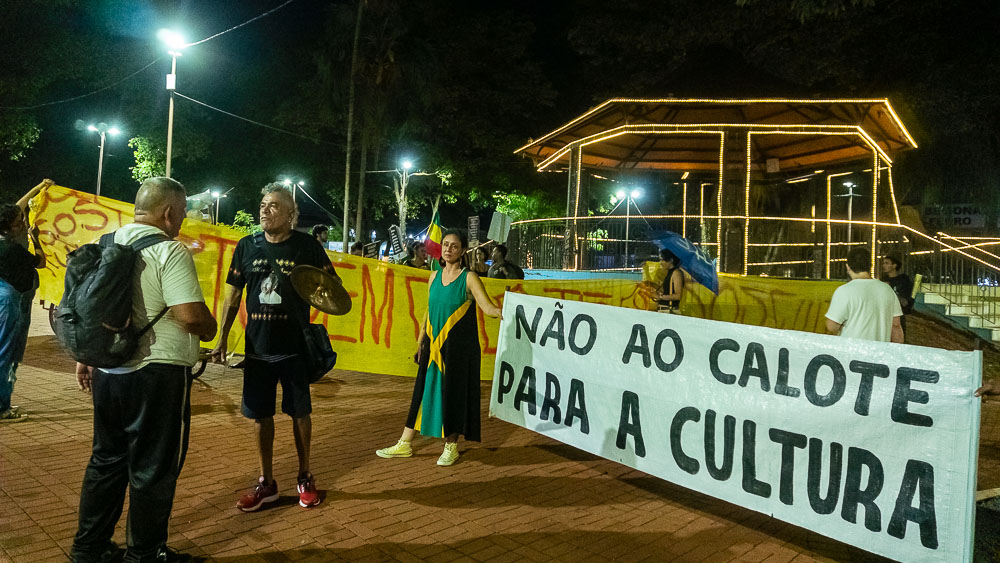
x,y
873,444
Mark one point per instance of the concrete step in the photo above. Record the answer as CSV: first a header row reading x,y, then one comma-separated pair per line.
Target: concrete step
x,y
990,322
985,310
949,288
963,316
963,299
931,298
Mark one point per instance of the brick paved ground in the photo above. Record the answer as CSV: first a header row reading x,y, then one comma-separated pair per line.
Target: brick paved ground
x,y
517,496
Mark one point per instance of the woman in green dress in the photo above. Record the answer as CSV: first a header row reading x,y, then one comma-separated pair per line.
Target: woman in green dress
x,y
445,401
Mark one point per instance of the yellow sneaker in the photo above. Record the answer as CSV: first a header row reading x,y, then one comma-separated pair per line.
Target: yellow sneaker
x,y
401,449
449,455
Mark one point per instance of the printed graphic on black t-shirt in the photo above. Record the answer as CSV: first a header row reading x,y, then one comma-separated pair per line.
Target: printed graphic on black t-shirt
x,y
272,304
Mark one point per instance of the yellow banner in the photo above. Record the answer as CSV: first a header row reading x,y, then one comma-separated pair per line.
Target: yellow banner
x,y
379,334
759,301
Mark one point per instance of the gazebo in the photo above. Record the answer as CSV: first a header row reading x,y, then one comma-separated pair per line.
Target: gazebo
x,y
745,143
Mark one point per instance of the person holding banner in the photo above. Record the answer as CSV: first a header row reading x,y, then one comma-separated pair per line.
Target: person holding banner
x,y
18,282
445,401
418,257
669,297
988,389
479,257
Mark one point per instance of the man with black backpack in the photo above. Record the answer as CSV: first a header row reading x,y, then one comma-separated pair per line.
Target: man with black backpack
x,y
276,350
142,407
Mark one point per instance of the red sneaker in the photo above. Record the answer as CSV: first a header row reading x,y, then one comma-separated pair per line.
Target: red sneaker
x,y
308,496
260,494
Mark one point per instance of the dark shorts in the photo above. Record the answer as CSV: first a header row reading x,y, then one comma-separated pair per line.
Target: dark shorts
x,y
260,382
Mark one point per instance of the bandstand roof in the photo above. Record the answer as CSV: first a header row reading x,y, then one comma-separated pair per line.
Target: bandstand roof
x,y
684,134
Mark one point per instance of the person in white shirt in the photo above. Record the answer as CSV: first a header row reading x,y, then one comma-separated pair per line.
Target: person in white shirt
x,y
142,410
864,308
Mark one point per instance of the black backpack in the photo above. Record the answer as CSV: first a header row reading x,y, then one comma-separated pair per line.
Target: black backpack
x,y
94,320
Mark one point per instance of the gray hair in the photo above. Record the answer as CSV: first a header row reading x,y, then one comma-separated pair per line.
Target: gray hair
x,y
275,187
154,193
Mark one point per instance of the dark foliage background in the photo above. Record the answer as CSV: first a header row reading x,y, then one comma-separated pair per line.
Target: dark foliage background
x,y
457,86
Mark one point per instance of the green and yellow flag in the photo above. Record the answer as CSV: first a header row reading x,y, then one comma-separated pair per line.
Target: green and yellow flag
x,y
433,241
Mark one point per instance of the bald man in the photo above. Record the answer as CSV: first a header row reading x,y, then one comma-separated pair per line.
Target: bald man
x,y
142,409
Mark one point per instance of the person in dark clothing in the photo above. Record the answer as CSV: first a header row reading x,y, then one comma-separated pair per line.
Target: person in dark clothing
x,y
275,347
503,269
672,290
901,284
418,257
479,257
321,233
18,281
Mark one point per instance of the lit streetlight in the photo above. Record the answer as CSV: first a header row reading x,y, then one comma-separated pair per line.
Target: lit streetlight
x,y
403,173
103,130
174,42
217,195
294,185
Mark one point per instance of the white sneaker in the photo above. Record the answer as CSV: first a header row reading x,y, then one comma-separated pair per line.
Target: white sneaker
x,y
449,455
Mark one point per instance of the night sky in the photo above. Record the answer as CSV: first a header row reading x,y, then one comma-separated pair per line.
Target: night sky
x,y
461,85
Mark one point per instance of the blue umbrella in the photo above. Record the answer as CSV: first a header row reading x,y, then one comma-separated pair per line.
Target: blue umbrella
x,y
694,260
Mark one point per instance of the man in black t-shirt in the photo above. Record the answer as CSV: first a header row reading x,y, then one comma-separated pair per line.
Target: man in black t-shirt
x,y
892,274
501,268
275,346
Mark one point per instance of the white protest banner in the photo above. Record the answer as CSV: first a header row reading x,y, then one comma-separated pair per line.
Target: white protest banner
x,y
873,444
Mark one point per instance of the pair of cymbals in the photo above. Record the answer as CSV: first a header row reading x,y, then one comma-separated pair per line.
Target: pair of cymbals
x,y
321,290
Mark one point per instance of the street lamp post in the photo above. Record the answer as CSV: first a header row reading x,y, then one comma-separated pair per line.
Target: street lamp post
x,y
103,130
629,198
403,174
174,43
850,195
217,196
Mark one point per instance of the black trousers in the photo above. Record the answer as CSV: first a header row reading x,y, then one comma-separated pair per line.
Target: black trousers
x,y
141,426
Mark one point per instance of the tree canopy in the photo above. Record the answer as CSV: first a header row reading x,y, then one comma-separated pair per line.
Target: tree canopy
x,y
457,86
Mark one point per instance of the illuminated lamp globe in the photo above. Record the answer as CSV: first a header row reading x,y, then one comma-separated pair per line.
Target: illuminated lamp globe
x,y
173,40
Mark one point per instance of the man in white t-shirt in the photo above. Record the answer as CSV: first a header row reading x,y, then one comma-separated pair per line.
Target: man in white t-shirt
x,y
864,308
142,410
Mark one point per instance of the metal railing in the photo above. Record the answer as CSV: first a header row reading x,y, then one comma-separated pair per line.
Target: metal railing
x,y
966,276
603,243
965,272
